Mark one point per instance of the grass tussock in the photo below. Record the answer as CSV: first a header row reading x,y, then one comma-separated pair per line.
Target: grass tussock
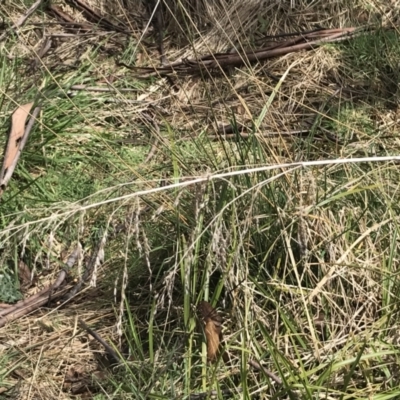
x,y
299,258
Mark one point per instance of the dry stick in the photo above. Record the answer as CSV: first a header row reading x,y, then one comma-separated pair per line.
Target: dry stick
x,y
26,306
101,89
280,35
154,8
154,146
46,46
245,135
232,128
72,259
61,15
23,303
96,18
234,59
88,273
152,151
73,35
199,396
23,19
271,375
126,101
107,347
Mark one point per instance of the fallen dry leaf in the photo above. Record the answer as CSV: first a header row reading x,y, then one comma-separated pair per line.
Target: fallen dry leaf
x,y
212,334
15,144
212,329
24,275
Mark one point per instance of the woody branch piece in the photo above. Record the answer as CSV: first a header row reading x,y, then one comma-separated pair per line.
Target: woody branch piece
x,y
96,18
34,302
23,19
117,359
271,375
226,60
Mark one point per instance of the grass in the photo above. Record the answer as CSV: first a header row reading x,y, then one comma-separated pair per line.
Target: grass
x,y
301,262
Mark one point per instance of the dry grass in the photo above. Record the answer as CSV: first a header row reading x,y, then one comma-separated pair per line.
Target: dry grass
x,y
304,259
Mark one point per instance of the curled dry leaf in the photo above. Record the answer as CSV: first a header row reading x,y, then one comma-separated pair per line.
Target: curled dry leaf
x,y
213,329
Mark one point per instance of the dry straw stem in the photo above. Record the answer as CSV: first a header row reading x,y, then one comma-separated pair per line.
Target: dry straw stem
x,y
330,274
188,181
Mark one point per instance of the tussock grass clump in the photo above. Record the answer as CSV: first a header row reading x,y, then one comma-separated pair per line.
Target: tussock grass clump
x,y
296,249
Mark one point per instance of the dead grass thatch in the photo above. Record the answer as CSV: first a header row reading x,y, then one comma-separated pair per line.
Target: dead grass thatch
x,y
45,353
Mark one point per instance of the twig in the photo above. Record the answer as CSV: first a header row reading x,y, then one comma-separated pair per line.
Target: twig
x,y
23,19
271,375
225,392
152,151
44,48
154,8
245,135
72,259
107,347
23,303
74,35
91,268
33,303
95,17
67,19
101,89
226,60
280,35
154,146
124,101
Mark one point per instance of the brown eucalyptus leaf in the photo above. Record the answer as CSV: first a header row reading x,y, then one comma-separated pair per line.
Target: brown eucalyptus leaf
x,y
212,335
213,329
14,144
